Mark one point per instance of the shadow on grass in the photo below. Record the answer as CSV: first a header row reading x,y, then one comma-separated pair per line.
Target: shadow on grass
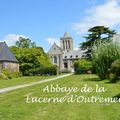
x,y
92,79
117,96
111,82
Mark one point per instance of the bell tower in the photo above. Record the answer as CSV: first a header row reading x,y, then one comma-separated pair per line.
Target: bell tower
x,y
66,42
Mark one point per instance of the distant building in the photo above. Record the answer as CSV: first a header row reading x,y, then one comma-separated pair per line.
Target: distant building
x,y
64,55
7,59
116,38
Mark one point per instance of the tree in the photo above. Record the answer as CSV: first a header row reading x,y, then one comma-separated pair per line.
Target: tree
x,y
25,43
31,60
97,33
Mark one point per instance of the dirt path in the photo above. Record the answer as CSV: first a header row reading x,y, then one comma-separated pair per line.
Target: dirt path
x,y
3,90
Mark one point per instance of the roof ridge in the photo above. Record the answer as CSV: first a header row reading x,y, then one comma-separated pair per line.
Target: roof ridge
x,y
2,46
58,46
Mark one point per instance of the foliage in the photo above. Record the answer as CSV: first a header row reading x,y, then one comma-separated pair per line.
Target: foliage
x,y
115,71
31,59
3,77
51,70
97,33
6,73
9,75
25,43
82,66
16,74
103,55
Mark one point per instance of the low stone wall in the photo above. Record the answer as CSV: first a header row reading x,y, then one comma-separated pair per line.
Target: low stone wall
x,y
12,67
0,67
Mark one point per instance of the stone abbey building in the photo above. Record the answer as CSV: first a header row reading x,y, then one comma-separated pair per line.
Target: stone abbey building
x,y
7,59
64,55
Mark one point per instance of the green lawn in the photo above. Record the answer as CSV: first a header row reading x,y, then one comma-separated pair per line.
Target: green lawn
x,y
13,104
21,80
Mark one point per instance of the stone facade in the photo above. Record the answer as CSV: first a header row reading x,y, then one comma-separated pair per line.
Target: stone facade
x,y
11,66
64,55
7,59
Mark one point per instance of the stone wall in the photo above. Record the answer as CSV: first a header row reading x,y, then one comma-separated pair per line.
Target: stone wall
x,y
0,67
11,66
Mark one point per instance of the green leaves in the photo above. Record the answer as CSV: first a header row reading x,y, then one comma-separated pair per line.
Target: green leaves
x,y
25,43
103,55
31,59
82,66
95,34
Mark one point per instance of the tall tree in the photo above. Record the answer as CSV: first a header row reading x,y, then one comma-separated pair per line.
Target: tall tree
x,y
25,43
31,60
97,33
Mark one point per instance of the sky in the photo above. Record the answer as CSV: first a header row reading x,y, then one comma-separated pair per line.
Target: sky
x,y
45,21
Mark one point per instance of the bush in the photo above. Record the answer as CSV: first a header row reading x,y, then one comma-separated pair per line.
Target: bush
x,y
115,71
16,74
52,70
3,77
6,73
10,75
82,66
103,54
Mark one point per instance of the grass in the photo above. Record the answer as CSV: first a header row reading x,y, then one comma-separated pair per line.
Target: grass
x,y
13,104
21,80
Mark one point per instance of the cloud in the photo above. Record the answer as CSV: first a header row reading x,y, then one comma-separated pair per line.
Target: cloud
x,y
51,40
76,48
106,14
11,39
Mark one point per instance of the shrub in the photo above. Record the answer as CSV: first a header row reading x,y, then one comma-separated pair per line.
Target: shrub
x,y
11,75
103,54
115,71
51,70
16,74
6,73
82,66
3,77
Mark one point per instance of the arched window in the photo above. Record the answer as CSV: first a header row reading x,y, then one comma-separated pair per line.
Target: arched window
x,y
55,59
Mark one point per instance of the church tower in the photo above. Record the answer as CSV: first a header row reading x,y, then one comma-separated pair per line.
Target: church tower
x,y
66,42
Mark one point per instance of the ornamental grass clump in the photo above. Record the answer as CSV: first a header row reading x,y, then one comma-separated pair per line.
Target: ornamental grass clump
x,y
103,55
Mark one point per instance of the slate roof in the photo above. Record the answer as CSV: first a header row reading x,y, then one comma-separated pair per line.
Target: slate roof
x,y
6,54
75,54
55,49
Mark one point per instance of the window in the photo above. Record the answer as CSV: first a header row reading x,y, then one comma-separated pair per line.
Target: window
x,y
71,56
76,56
55,59
65,65
83,56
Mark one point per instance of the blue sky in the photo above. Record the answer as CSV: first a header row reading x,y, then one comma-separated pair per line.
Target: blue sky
x,y
45,21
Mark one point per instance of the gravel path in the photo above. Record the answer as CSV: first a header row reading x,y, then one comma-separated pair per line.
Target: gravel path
x,y
3,90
